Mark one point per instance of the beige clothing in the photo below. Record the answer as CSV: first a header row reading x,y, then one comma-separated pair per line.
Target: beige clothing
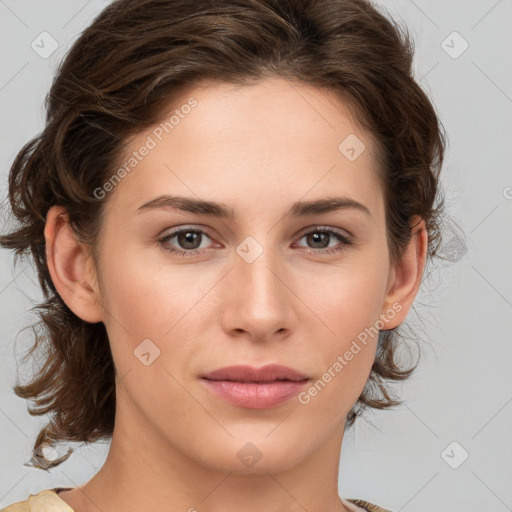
x,y
48,500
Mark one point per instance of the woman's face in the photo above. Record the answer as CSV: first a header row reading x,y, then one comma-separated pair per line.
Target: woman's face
x,y
257,288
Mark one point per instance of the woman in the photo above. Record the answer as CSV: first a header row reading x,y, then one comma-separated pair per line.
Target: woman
x,y
230,208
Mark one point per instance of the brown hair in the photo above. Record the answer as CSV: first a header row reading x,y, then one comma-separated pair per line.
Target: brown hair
x,y
116,80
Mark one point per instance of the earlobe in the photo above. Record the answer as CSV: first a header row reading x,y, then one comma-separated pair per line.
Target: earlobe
x,y
406,277
70,267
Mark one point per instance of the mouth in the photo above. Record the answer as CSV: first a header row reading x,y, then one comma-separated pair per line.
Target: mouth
x,y
253,388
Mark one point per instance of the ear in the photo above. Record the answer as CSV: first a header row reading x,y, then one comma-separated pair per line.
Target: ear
x,y
71,267
405,277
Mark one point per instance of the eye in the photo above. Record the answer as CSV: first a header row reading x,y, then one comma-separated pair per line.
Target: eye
x,y
321,236
190,239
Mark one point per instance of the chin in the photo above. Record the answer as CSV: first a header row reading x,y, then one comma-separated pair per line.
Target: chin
x,y
254,454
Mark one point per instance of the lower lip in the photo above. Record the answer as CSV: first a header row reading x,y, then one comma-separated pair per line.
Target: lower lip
x,y
255,395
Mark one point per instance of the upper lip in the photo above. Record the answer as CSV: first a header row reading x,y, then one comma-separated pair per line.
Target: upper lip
x,y
245,373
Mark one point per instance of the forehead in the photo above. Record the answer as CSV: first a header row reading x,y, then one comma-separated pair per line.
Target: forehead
x,y
275,105
224,141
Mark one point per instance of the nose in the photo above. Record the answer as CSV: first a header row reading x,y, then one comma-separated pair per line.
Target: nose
x,y
258,296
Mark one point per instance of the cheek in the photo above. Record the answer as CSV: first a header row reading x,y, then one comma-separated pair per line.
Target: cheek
x,y
344,366
151,302
348,307
345,299
145,299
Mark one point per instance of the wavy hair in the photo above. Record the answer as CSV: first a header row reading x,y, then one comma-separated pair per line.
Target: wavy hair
x,y
118,79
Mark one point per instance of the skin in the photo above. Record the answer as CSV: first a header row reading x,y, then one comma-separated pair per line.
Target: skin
x,y
258,149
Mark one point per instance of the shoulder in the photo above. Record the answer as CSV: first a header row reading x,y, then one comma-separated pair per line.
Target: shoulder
x,y
44,501
363,506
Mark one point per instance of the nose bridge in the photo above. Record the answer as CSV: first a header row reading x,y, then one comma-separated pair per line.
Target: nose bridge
x,y
259,301
257,263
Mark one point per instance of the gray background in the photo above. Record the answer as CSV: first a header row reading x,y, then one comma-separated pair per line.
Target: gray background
x,y
401,459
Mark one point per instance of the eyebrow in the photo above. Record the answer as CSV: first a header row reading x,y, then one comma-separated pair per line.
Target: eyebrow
x,y
215,209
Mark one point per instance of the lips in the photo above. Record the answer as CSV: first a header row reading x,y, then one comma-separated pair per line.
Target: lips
x,y
255,388
245,373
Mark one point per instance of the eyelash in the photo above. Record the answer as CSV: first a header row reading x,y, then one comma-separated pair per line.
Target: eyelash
x,y
346,241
